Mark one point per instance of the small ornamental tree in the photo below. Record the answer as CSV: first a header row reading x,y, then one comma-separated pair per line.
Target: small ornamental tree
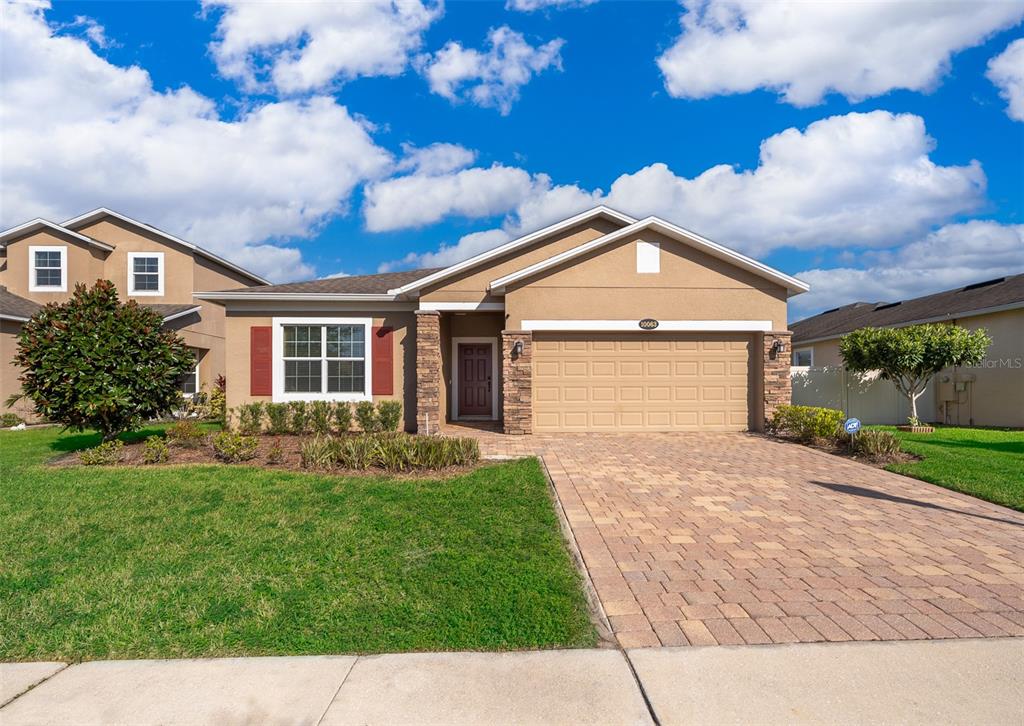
x,y
95,362
910,356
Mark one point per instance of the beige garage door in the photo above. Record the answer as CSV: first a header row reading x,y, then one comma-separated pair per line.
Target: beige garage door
x,y
641,382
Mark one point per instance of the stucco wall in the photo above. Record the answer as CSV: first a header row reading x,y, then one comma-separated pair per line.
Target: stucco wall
x,y
605,285
9,372
84,265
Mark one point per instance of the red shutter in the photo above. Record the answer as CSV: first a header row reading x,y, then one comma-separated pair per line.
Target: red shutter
x,y
383,352
261,361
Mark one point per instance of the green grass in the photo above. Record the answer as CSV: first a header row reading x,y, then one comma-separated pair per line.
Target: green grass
x,y
217,560
985,463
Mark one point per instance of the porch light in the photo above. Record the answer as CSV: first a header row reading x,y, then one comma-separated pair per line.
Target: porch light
x,y
778,347
517,348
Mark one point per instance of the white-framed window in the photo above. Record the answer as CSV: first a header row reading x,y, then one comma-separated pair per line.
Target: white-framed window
x,y
47,269
145,273
648,257
322,359
188,384
803,357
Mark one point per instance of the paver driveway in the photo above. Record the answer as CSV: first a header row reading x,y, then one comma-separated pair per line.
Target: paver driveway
x,y
710,539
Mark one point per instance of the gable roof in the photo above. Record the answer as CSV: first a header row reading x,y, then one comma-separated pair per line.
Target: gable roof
x,y
14,307
88,218
1003,293
518,242
793,285
354,287
38,223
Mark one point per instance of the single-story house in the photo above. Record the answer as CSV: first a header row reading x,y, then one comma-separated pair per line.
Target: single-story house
x,y
990,394
600,322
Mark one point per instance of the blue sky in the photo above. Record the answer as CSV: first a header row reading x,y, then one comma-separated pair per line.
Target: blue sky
x,y
291,141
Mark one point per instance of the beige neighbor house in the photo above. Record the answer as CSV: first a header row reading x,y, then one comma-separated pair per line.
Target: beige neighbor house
x,y
41,262
990,394
600,322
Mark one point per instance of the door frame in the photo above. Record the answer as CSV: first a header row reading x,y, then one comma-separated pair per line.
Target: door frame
x,y
455,378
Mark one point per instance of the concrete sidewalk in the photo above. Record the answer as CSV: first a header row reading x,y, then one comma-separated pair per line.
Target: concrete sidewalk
x,y
926,682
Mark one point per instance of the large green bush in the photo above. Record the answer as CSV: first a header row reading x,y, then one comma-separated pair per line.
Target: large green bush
x,y
808,423
95,362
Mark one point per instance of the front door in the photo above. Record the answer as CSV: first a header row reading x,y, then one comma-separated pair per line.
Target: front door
x,y
475,379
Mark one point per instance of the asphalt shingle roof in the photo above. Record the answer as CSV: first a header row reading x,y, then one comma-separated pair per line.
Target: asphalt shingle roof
x,y
351,285
978,296
15,306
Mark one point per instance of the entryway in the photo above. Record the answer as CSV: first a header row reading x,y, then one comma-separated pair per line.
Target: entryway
x,y
475,378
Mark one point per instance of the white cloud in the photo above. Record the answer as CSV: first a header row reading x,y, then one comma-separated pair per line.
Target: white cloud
x,y
952,256
439,158
491,79
80,132
1006,70
804,50
529,6
304,46
467,246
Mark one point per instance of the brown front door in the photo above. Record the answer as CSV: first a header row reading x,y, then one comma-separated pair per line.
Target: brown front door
x,y
475,379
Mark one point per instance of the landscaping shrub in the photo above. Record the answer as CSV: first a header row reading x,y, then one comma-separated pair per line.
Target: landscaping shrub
x,y
876,444
389,415
355,452
342,417
320,417
250,418
10,419
187,433
403,452
277,418
155,450
808,423
366,415
275,455
106,454
217,401
232,447
319,453
299,411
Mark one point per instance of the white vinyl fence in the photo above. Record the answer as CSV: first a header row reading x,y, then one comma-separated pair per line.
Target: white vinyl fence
x,y
865,396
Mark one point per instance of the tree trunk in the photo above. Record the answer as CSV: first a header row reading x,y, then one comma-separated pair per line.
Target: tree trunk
x,y
913,405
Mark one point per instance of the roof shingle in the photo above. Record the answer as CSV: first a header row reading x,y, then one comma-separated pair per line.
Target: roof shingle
x,y
16,307
948,304
351,285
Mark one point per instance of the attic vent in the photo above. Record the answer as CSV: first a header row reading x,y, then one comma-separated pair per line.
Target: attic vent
x,y
833,310
986,283
885,306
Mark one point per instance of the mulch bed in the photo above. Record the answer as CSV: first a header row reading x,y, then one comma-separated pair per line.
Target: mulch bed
x,y
879,462
290,459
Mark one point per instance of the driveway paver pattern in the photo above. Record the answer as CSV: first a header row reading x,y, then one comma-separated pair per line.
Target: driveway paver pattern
x,y
705,539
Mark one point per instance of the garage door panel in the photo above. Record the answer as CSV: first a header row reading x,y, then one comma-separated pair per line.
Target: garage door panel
x,y
641,382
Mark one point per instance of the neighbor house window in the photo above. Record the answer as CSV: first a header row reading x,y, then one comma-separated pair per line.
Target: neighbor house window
x,y
322,359
803,357
48,269
188,384
145,273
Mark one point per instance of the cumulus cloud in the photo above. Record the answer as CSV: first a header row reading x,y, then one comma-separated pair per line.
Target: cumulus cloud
x,y
952,256
439,158
804,50
491,78
859,179
305,46
80,132
529,6
1006,71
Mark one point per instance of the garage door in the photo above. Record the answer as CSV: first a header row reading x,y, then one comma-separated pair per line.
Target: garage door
x,y
641,382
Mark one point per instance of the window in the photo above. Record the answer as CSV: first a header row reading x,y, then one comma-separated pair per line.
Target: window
x,y
323,359
48,269
648,257
188,384
145,273
803,357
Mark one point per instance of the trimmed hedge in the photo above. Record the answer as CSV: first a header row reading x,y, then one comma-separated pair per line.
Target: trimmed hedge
x,y
392,452
808,423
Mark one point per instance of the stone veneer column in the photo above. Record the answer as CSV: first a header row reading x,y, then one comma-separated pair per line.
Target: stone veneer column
x,y
517,382
778,386
428,371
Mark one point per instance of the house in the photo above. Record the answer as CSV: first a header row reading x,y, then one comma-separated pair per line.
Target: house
x,y
42,261
600,322
990,394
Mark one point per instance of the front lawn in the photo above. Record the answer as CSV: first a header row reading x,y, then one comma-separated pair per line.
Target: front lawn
x,y
229,560
985,463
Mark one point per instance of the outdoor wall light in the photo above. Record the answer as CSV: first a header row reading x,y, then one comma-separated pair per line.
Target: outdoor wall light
x,y
778,347
517,348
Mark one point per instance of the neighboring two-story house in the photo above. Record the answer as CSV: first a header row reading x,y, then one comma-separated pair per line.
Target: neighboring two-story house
x,y
42,261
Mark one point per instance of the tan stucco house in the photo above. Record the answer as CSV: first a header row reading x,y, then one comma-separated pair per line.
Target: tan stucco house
x,y
990,394
42,261
600,322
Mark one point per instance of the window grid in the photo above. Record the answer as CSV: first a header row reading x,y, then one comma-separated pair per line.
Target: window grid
x,y
145,274
48,268
318,354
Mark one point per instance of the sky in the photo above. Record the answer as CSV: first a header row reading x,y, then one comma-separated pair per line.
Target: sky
x,y
874,150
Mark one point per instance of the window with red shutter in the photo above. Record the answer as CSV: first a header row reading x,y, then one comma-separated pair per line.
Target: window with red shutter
x,y
261,361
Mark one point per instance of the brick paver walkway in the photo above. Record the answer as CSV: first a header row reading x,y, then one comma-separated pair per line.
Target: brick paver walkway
x,y
710,539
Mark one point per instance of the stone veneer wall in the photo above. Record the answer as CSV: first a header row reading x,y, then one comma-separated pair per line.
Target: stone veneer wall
x,y
778,386
517,385
428,372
